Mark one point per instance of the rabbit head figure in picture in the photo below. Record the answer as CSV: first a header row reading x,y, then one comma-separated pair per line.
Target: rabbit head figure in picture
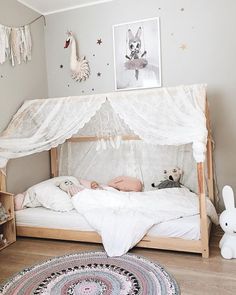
x,y
228,224
135,45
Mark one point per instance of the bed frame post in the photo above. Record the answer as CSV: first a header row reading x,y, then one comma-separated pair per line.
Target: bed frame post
x,y
210,171
210,175
201,187
2,181
54,162
203,212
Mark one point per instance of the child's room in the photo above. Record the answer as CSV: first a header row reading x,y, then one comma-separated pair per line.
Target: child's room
x,y
117,147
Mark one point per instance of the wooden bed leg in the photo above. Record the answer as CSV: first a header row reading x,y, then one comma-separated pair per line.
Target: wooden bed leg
x,y
203,212
205,252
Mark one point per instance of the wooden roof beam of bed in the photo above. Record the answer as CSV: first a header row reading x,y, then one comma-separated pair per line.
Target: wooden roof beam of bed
x,y
95,138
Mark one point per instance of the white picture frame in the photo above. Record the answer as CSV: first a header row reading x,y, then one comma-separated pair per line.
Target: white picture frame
x,y
137,54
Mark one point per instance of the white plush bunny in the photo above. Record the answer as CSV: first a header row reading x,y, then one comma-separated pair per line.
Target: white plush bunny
x,y
228,224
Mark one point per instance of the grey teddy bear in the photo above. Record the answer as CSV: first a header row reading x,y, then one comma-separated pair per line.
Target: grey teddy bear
x,y
171,179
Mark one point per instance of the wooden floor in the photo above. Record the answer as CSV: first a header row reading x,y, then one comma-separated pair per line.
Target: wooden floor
x,y
195,275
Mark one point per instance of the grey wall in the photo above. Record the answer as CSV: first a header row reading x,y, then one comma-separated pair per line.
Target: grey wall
x,y
25,81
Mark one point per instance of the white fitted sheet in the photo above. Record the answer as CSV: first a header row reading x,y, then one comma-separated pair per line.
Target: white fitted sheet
x,y
186,228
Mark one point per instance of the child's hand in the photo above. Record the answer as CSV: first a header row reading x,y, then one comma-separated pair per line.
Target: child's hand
x,y
95,185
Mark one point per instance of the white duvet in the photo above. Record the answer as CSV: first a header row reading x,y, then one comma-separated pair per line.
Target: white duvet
x,y
122,219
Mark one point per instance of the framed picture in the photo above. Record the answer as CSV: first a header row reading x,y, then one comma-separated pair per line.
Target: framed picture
x,y
137,56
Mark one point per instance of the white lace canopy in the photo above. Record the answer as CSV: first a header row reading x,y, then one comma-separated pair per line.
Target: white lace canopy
x,y
163,116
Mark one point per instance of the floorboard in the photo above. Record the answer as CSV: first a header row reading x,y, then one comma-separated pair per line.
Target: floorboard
x,y
194,274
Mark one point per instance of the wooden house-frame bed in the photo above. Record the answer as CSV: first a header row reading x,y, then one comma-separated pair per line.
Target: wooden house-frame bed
x,y
177,244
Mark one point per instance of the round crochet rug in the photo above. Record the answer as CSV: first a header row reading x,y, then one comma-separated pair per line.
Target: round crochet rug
x,y
93,273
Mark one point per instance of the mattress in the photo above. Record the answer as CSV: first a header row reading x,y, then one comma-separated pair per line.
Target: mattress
x,y
186,228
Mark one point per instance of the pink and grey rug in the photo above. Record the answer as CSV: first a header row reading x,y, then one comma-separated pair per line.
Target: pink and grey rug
x,y
93,273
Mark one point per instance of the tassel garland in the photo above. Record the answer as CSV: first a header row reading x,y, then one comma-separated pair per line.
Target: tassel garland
x,y
15,44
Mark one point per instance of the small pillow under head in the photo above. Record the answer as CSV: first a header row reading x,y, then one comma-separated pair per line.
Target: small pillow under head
x,y
47,194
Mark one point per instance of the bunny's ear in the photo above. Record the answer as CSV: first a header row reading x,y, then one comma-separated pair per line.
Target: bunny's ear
x,y
138,34
228,196
131,36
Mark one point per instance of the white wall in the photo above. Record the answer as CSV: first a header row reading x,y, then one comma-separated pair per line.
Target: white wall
x,y
206,27
25,81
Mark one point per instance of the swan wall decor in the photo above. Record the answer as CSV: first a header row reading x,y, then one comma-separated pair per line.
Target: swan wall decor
x,y
79,66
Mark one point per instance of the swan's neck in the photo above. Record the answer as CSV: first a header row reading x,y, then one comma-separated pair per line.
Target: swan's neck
x,y
73,56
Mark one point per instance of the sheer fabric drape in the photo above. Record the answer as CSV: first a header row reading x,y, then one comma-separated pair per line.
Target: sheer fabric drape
x,y
163,116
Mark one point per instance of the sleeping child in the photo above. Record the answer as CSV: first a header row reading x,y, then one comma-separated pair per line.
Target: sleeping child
x,y
120,183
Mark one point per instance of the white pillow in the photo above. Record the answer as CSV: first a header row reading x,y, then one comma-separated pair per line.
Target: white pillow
x,y
49,195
